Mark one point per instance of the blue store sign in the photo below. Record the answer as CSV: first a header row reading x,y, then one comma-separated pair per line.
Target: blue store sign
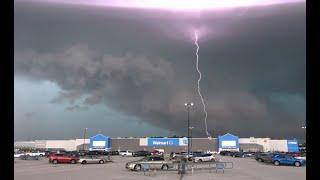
x,y
163,142
99,142
293,145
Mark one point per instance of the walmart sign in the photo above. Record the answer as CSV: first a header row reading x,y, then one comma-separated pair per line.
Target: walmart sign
x,y
167,141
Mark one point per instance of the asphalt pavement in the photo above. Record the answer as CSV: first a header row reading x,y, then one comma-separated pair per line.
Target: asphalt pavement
x,y
243,169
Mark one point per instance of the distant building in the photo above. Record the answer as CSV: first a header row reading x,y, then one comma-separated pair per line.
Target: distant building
x,y
225,142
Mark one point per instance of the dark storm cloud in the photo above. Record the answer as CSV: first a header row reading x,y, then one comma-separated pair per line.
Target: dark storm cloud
x,y
142,63
71,97
77,108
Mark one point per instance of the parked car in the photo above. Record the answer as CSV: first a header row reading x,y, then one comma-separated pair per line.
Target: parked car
x,y
287,160
101,153
212,152
125,153
36,153
82,152
225,153
19,154
71,153
264,157
238,154
63,158
53,152
174,155
154,162
141,153
248,154
156,152
93,159
204,157
114,153
294,154
198,153
302,156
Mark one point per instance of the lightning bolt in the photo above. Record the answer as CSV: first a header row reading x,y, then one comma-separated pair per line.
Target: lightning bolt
x,y
200,76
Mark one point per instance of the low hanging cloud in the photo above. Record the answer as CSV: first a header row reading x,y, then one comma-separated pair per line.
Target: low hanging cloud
x,y
77,108
136,85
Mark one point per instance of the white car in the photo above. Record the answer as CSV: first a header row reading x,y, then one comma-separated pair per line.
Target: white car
x,y
36,153
94,159
301,157
125,153
17,155
212,152
204,157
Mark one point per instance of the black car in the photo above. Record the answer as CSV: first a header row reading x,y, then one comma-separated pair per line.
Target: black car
x,y
249,154
82,152
99,153
196,153
238,154
141,153
226,153
264,157
73,153
114,153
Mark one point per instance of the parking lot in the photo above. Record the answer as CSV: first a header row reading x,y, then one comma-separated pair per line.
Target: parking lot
x,y
244,169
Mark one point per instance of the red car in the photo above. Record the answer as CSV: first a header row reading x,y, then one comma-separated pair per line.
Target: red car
x,y
156,152
63,158
294,154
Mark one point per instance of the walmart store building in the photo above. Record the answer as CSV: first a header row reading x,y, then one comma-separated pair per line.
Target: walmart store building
x,y
228,142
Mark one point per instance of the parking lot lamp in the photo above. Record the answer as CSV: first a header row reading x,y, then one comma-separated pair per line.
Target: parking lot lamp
x,y
188,105
84,138
191,127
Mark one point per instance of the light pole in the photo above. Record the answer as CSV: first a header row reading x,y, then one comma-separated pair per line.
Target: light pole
x,y
84,137
191,127
304,128
188,105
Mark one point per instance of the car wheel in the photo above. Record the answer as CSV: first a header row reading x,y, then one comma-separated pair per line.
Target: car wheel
x,y
101,162
41,155
297,164
55,161
137,167
84,162
165,167
277,163
212,160
260,160
73,161
200,160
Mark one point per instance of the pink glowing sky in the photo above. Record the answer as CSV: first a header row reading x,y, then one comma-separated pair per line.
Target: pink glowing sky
x,y
188,5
